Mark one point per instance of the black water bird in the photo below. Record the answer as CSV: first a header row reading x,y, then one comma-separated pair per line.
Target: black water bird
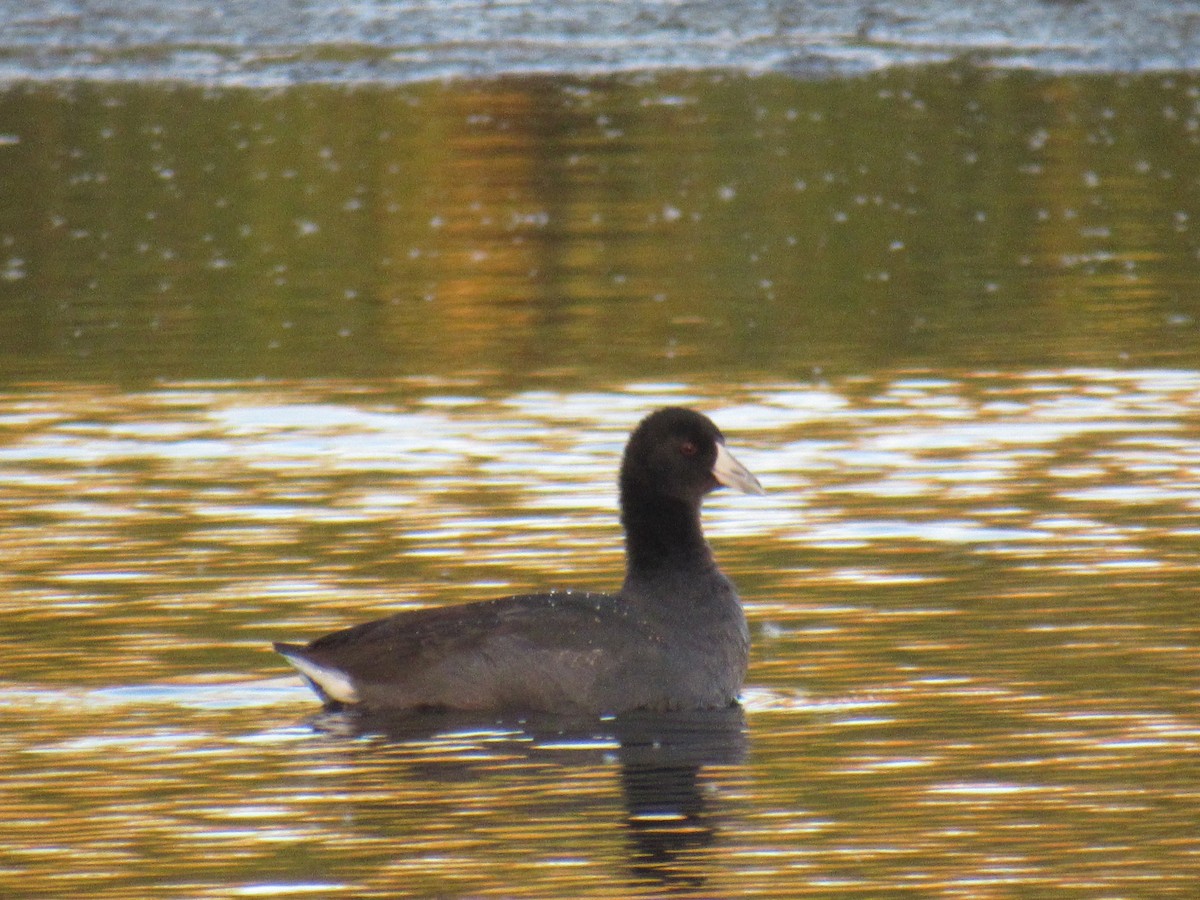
x,y
674,637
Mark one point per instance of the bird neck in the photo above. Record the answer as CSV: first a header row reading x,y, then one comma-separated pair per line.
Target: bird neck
x,y
660,533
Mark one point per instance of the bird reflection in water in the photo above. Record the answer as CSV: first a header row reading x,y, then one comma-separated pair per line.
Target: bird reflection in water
x,y
667,812
670,819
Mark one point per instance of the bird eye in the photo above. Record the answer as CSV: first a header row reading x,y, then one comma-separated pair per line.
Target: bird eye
x,y
687,448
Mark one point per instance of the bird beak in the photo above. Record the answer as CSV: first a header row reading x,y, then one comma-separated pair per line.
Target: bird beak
x,y
731,473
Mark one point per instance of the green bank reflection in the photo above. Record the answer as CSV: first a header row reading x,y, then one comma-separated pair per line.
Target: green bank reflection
x,y
677,225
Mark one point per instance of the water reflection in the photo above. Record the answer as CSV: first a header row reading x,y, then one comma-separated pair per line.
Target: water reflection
x,y
669,815
971,597
272,363
717,225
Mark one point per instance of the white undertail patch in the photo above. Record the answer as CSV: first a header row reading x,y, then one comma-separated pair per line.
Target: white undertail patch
x,y
335,683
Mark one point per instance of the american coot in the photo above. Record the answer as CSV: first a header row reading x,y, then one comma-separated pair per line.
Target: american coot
x,y
674,637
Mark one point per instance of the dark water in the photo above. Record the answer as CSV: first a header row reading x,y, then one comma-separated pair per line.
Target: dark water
x,y
762,228
274,362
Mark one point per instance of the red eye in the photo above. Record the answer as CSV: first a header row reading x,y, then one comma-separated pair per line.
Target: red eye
x,y
687,448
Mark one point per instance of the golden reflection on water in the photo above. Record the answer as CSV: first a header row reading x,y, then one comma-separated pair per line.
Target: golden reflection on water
x,y
972,600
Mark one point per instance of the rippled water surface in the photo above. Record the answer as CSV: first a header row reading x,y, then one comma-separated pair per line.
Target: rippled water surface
x,y
972,600
273,363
